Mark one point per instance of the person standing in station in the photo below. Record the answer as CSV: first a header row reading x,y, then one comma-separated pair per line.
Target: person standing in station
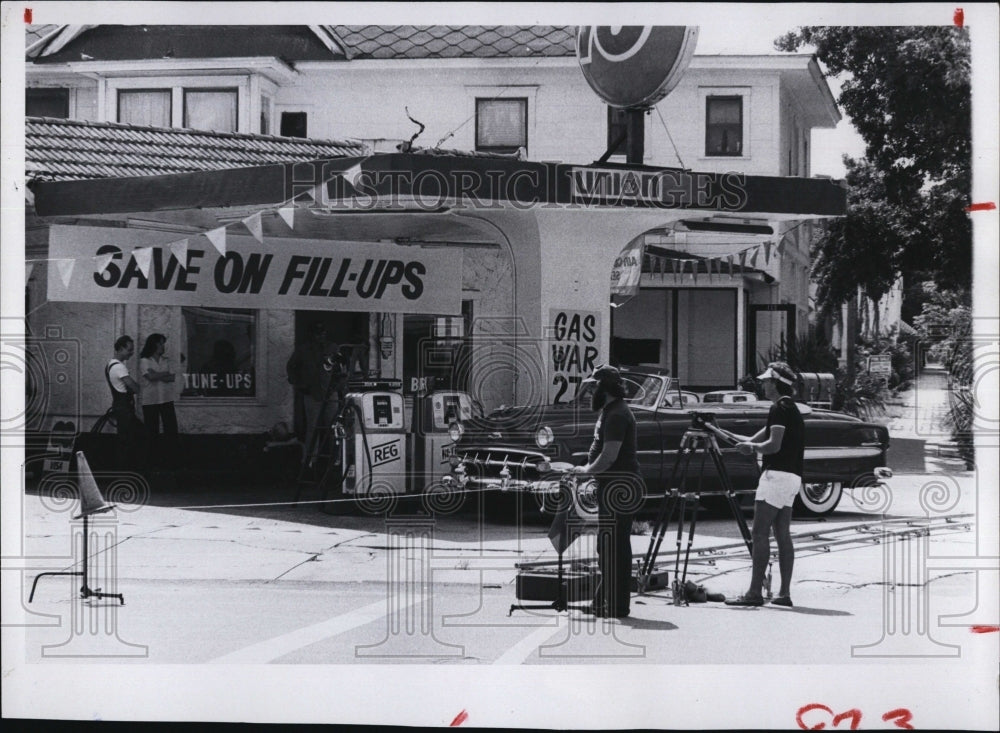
x,y
310,370
782,444
614,463
157,382
130,439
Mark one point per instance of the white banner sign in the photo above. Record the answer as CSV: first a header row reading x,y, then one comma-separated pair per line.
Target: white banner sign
x,y
574,340
298,274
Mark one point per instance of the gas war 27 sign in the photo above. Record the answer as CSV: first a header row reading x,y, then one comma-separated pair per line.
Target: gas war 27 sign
x,y
283,273
574,340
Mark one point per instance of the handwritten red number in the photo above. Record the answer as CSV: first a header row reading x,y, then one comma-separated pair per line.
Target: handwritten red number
x,y
902,718
854,714
806,709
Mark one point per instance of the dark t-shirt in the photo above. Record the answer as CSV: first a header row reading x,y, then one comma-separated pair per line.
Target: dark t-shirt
x,y
789,456
616,423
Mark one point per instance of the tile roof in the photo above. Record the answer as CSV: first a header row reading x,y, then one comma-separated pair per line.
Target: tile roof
x,y
33,33
420,42
455,41
61,150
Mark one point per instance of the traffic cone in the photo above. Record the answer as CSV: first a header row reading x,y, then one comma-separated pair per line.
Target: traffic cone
x,y
91,501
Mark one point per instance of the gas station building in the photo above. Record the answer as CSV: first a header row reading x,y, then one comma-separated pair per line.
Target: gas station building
x,y
486,270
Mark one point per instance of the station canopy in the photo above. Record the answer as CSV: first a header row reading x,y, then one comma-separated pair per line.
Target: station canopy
x,y
432,198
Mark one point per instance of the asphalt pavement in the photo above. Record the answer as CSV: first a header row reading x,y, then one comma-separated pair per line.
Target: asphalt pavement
x,y
236,576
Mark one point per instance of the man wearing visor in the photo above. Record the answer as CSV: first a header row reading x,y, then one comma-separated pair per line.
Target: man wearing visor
x,y
781,443
613,462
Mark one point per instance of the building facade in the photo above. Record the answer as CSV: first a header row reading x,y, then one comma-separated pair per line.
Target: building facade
x,y
717,290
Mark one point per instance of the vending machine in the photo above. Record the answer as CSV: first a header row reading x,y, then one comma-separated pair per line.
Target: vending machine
x,y
374,444
438,423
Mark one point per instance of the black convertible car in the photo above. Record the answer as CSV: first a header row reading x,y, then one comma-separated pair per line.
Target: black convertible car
x,y
523,448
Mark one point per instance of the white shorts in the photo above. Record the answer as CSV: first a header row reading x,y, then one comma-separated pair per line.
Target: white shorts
x,y
778,488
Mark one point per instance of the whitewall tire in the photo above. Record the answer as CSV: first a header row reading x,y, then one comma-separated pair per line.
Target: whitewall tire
x,y
819,499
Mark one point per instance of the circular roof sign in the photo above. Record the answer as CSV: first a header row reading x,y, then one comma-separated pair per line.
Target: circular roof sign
x,y
633,66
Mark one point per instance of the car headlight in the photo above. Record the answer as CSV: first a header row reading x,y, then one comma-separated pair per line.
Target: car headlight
x,y
544,436
456,431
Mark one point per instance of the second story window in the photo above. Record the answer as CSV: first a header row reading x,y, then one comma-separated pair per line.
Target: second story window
x,y
627,128
211,109
265,115
724,126
294,124
214,109
150,107
47,102
501,124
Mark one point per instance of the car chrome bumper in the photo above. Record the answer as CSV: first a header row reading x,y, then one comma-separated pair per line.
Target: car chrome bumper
x,y
504,484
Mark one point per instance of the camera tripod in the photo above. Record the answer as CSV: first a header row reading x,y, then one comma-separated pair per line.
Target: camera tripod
x,y
699,438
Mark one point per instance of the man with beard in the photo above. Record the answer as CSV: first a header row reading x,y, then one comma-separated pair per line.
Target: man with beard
x,y
612,460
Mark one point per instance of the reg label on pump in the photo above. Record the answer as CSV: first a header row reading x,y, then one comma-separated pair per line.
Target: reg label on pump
x,y
387,453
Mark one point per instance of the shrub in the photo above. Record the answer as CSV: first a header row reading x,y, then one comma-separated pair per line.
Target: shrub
x,y
808,353
863,397
899,351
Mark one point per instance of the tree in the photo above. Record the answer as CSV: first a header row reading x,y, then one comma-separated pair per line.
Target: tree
x,y
862,248
907,91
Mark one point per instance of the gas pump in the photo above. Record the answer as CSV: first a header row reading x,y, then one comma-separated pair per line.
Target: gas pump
x,y
373,449
438,418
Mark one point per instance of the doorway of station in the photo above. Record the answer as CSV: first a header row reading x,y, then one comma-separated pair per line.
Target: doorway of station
x,y
689,333
343,334
437,351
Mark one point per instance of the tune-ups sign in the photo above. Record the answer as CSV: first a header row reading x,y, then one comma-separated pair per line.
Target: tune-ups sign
x,y
631,66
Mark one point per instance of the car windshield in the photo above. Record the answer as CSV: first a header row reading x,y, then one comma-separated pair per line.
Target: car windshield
x,y
640,390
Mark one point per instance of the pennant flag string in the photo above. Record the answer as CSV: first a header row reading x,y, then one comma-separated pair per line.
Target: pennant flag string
x,y
287,213
319,194
101,262
65,270
218,239
352,173
143,256
253,224
28,267
179,250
